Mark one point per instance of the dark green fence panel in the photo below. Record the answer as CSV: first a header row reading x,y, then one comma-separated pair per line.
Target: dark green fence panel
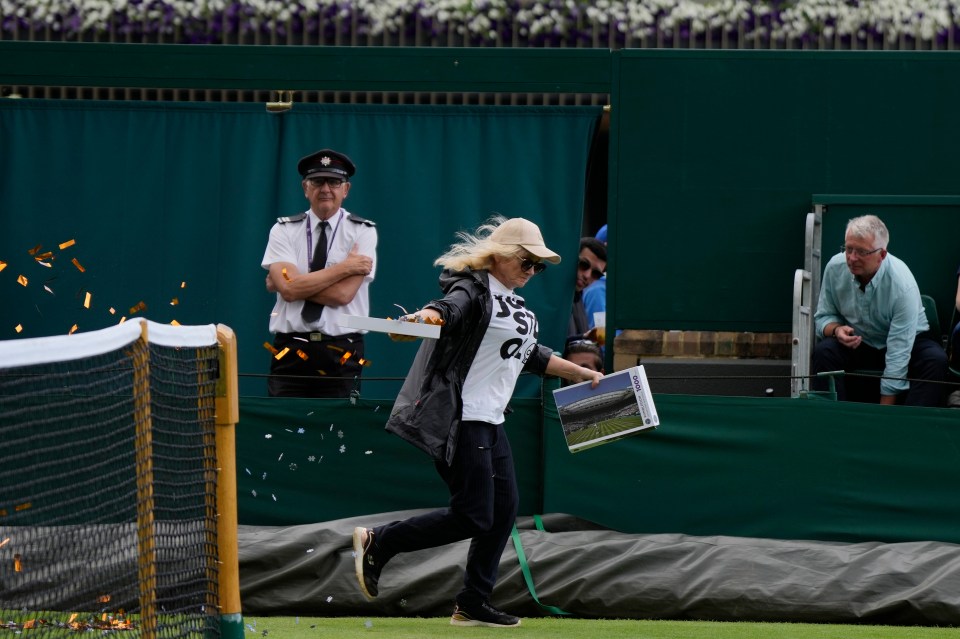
x,y
769,467
304,460
717,154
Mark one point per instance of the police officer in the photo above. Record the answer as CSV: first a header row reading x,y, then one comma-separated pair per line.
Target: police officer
x,y
320,264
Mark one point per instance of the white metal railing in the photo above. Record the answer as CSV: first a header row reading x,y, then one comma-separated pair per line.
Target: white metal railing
x,y
802,333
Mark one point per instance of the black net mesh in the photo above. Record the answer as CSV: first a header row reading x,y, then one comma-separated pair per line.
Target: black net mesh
x,y
108,494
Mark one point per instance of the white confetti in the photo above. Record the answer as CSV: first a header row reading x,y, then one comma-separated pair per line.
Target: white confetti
x,y
340,434
301,431
376,408
330,598
288,430
312,458
274,496
309,550
268,436
331,428
254,493
293,466
280,457
343,448
368,623
248,471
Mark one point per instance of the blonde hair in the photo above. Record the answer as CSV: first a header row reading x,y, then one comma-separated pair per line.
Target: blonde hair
x,y
475,250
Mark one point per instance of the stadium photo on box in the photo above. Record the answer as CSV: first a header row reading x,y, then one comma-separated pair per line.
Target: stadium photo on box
x,y
620,405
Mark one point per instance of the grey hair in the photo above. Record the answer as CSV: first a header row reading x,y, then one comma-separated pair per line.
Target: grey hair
x,y
867,226
475,249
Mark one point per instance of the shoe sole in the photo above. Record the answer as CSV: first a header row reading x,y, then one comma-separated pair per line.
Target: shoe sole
x,y
358,561
472,623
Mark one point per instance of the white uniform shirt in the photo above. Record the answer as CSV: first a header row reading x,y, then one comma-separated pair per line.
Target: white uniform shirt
x,y
288,243
505,348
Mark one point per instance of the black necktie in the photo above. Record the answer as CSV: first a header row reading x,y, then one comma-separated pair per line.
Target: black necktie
x,y
311,310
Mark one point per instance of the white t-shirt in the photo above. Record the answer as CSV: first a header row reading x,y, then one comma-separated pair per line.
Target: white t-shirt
x,y
288,243
506,346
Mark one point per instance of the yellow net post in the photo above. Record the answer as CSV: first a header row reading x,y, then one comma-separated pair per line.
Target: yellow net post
x,y
227,416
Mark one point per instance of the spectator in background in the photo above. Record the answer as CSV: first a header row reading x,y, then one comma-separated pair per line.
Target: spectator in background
x,y
584,353
595,296
591,264
875,320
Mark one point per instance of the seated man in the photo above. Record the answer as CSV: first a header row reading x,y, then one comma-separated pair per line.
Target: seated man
x,y
875,320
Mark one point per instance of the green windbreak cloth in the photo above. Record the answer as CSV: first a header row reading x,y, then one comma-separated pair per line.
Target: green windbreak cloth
x,y
164,194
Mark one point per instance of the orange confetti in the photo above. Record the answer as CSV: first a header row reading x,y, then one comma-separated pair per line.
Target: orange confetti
x,y
174,302
141,306
103,598
77,264
29,624
21,280
67,244
335,348
345,357
86,300
302,355
122,319
364,362
174,323
269,347
3,265
183,285
4,542
73,329
44,256
72,617
113,311
281,353
23,506
17,564
35,249
285,276
19,328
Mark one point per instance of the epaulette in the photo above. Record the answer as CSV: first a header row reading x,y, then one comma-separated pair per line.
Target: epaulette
x,y
291,218
360,220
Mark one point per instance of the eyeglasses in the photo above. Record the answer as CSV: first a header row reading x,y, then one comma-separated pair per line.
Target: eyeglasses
x,y
526,264
585,265
332,182
849,250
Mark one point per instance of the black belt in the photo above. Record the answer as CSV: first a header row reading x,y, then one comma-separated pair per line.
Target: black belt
x,y
321,337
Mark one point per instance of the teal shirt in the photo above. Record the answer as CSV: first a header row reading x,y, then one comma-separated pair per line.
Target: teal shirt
x,y
888,313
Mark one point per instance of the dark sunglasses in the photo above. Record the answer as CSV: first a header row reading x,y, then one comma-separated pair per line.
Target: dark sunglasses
x,y
585,266
526,264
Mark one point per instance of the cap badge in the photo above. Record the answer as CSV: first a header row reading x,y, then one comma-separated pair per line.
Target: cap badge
x,y
325,161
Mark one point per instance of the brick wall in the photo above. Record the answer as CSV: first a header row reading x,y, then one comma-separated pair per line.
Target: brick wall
x,y
632,345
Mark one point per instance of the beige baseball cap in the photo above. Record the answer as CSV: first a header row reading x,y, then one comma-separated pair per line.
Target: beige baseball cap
x,y
526,234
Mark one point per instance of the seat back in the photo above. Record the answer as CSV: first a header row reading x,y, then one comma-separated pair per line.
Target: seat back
x,y
930,309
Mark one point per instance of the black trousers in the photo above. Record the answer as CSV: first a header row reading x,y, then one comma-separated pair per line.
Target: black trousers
x,y
483,508
315,376
928,361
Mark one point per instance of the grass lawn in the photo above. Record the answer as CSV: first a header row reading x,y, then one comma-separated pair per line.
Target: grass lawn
x,y
550,628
